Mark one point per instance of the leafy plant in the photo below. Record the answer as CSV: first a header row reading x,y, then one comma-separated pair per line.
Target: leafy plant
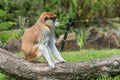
x,y
6,25
114,22
5,36
81,37
22,23
2,13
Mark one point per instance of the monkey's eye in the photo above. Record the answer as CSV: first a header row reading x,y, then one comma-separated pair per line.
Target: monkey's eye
x,y
46,18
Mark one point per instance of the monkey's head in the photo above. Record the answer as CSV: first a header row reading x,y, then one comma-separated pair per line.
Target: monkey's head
x,y
48,18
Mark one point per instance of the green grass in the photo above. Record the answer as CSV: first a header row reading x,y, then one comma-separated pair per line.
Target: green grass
x,y
1,76
90,54
85,55
109,78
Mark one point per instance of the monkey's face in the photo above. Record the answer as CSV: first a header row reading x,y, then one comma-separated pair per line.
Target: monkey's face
x,y
49,19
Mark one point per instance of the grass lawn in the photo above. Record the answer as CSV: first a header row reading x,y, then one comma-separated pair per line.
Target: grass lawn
x,y
90,54
86,55
1,76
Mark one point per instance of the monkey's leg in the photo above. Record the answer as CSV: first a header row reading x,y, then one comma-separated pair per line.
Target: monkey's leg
x,y
55,51
47,56
51,54
35,54
57,54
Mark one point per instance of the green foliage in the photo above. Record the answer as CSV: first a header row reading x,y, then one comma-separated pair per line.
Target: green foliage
x,y
1,76
2,13
5,77
114,22
76,9
22,24
6,25
5,36
81,37
97,9
109,78
22,30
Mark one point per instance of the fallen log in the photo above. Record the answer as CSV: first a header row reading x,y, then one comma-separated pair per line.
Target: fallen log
x,y
19,68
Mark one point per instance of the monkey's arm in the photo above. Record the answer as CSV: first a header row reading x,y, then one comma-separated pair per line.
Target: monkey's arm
x,y
43,44
54,49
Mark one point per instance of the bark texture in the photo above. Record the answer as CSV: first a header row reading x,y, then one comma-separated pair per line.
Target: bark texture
x,y
20,68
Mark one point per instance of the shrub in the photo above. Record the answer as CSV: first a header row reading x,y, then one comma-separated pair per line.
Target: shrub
x,y
5,36
6,25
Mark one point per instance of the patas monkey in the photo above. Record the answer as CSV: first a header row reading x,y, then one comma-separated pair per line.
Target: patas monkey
x,y
39,40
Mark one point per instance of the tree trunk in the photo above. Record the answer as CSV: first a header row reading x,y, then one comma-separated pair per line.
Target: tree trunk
x,y
20,68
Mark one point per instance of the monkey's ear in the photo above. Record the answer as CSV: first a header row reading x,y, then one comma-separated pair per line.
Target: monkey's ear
x,y
45,18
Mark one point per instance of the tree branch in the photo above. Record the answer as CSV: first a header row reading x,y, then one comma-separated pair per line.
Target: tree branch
x,y
12,64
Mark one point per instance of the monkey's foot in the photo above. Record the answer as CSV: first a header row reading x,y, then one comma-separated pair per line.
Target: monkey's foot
x,y
60,61
52,66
